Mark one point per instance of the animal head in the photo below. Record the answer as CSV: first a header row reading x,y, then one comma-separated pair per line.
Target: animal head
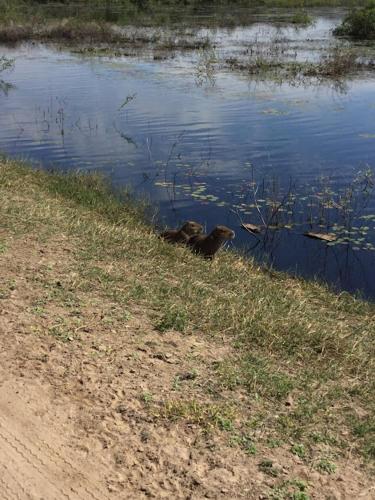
x,y
190,228
223,232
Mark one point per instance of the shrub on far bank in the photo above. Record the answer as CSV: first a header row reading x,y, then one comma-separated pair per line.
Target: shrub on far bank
x,y
360,23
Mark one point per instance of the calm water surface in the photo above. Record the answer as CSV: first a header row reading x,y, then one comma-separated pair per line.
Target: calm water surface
x,y
215,151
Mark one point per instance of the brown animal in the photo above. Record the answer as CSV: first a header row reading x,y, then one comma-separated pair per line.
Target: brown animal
x,y
208,245
183,234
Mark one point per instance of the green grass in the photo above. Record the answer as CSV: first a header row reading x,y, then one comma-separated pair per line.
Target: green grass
x,y
206,415
326,466
257,375
267,467
175,319
299,450
294,489
290,339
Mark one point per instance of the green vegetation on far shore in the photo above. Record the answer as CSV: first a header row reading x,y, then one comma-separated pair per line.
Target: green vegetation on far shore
x,y
359,23
158,12
301,357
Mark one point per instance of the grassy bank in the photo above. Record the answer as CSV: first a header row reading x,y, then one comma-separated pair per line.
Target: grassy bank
x,y
300,365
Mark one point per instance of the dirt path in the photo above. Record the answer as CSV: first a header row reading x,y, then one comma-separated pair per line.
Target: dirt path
x,y
35,458
38,460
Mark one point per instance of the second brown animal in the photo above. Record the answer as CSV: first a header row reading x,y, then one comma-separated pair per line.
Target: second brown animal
x,y
208,244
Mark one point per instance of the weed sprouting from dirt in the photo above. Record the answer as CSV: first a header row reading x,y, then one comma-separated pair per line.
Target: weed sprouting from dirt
x,y
147,398
244,442
175,319
325,465
292,489
267,467
208,416
364,428
299,450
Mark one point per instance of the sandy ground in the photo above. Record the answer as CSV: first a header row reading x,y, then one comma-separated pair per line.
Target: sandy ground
x,y
36,460
80,387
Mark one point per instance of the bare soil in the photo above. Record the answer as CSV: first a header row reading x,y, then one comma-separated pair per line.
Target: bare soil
x,y
79,382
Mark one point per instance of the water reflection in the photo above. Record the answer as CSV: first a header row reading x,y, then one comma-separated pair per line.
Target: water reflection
x,y
196,150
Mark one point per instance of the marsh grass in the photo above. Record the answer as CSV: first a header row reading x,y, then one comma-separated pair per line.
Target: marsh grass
x,y
107,37
301,18
66,30
335,65
290,338
5,65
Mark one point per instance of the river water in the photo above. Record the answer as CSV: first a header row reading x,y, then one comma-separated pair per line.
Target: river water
x,y
219,148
